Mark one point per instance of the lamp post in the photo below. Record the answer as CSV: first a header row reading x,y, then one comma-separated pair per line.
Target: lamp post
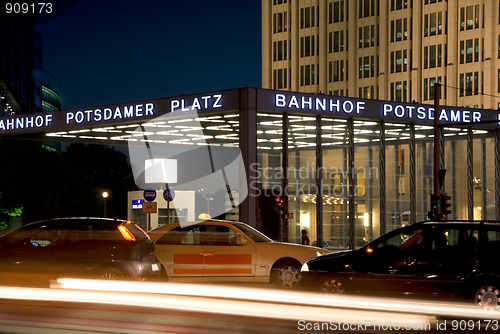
x,y
105,196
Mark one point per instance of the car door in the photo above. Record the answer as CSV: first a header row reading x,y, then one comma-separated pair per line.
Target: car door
x,y
30,255
227,253
180,252
387,266
448,259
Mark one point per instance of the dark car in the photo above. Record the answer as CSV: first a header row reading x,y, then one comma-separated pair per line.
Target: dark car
x,y
77,247
452,259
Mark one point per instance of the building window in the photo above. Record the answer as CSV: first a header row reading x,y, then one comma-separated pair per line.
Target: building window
x,y
280,79
336,11
471,83
367,92
399,4
366,36
336,41
307,17
307,46
499,46
468,84
469,51
469,17
433,24
426,56
399,30
399,61
439,55
280,22
366,8
307,75
280,50
498,89
433,56
476,50
336,71
429,87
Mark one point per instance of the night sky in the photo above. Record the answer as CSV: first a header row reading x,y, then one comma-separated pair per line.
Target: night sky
x,y
107,51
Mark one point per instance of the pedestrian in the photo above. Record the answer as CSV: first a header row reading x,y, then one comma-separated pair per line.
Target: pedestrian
x,y
305,237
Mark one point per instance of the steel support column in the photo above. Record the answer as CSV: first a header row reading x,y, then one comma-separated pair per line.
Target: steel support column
x,y
413,180
319,183
497,174
383,206
470,175
352,185
248,148
284,181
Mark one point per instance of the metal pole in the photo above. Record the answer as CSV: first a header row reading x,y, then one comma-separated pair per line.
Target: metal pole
x,y
437,187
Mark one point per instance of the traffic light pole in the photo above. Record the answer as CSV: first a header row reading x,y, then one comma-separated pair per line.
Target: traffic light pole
x,y
438,199
437,187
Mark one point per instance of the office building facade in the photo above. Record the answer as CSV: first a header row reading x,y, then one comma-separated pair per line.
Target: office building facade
x,y
390,50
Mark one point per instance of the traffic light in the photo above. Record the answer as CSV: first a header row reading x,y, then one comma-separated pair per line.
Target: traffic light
x,y
435,211
445,204
280,205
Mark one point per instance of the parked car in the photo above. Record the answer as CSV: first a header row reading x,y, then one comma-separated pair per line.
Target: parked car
x,y
77,247
224,251
453,259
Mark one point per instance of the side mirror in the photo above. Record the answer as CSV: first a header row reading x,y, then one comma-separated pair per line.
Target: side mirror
x,y
241,242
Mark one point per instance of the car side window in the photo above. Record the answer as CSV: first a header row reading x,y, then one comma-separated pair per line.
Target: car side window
x,y
181,236
45,237
493,240
218,235
398,240
455,242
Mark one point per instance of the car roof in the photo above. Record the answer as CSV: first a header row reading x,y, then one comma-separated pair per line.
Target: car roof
x,y
458,222
81,220
455,223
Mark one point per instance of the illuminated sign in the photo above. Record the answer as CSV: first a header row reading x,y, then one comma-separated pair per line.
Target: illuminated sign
x,y
109,114
197,103
317,103
382,110
427,113
137,203
106,114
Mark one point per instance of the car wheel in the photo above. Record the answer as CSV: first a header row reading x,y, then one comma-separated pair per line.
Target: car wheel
x,y
488,297
286,274
332,286
111,274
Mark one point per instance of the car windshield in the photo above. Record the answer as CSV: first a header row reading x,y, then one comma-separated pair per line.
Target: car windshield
x,y
252,233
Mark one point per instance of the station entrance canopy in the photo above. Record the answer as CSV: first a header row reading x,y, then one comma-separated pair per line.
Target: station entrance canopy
x,y
113,122
226,129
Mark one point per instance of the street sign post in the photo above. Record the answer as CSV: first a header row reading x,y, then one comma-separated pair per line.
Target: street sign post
x,y
149,194
150,206
168,195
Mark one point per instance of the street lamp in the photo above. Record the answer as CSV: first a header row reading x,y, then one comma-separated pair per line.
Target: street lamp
x,y
104,196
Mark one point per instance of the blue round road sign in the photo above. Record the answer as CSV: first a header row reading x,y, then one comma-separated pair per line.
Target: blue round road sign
x,y
169,194
149,194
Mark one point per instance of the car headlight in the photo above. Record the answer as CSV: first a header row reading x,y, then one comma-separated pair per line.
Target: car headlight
x,y
305,267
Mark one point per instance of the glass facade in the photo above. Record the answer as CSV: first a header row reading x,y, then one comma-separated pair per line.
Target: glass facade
x,y
345,170
348,180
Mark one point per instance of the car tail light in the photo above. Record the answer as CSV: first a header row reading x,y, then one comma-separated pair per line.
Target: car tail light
x,y
127,235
